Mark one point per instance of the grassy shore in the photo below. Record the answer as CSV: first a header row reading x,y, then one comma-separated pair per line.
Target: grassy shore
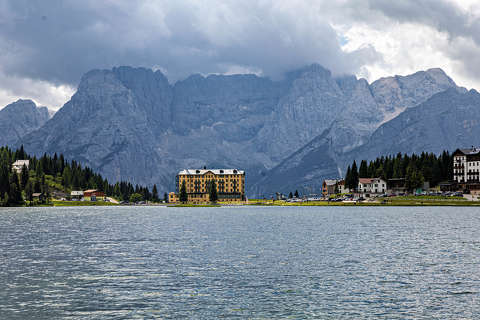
x,y
395,201
58,203
186,205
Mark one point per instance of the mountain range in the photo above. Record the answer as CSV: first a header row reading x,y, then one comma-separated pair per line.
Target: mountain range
x,y
131,123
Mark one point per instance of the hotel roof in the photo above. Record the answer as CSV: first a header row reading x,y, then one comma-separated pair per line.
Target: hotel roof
x,y
472,150
214,171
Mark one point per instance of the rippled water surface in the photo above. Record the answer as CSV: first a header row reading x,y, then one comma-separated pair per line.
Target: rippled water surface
x,y
245,262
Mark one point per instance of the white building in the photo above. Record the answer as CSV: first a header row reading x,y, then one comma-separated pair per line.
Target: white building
x,y
372,185
342,188
76,195
18,165
466,165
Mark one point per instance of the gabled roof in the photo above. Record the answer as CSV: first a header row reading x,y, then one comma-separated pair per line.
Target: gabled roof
x,y
470,151
200,172
21,163
365,180
368,180
330,182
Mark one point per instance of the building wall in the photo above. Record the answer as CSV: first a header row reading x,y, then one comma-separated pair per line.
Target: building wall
x,y
343,189
459,172
376,186
230,187
172,197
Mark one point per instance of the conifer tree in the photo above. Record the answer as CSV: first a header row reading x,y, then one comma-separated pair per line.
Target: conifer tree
x,y
363,171
24,176
15,194
296,194
4,176
213,191
29,191
183,193
155,193
348,178
290,195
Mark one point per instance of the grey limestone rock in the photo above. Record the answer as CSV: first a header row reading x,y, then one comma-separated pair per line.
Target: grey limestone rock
x,y
20,118
132,124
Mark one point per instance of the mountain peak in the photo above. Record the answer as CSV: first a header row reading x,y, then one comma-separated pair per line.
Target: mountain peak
x,y
22,103
20,118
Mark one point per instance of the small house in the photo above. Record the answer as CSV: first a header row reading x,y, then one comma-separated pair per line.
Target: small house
x,y
329,187
396,185
18,165
372,185
342,188
93,195
76,195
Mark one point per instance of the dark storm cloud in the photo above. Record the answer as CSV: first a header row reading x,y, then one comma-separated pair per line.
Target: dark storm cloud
x,y
58,41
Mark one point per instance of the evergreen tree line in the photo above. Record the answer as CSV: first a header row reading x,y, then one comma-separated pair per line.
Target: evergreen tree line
x,y
415,169
53,173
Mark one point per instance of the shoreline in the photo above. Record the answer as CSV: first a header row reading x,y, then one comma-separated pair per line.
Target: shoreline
x,y
402,202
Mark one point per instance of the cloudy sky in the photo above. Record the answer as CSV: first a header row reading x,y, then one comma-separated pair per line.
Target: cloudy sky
x,y
46,46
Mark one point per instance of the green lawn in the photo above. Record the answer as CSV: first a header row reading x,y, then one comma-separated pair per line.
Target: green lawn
x,y
394,201
57,203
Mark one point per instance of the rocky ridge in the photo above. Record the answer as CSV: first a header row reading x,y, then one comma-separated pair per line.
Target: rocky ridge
x,y
20,118
130,123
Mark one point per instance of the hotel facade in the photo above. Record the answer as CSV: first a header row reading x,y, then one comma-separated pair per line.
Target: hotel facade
x,y
230,184
466,168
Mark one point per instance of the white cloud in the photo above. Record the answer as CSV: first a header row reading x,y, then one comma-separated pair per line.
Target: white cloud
x,y
41,92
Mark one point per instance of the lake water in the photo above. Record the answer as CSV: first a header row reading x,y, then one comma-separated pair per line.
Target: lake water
x,y
240,262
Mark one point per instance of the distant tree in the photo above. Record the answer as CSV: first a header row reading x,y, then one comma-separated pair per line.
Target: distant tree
x,y
183,193
155,193
363,171
413,179
5,171
348,178
296,194
29,191
354,176
15,194
290,195
136,197
165,197
24,176
5,199
213,191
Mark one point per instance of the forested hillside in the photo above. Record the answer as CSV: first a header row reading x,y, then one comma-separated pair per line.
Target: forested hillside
x,y
48,175
416,169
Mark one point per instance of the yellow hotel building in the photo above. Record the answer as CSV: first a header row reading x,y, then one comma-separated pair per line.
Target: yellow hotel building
x,y
230,185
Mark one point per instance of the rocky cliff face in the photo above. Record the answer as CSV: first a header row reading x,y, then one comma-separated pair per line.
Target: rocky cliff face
x,y
20,118
301,170
446,121
395,94
130,123
360,109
